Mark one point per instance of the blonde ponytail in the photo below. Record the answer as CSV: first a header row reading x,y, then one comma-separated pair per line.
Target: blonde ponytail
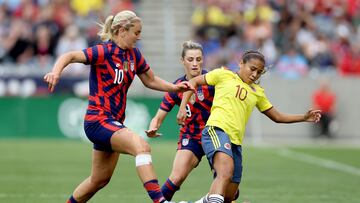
x,y
105,31
110,28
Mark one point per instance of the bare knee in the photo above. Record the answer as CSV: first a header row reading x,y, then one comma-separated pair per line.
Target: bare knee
x,y
224,172
224,175
224,167
142,147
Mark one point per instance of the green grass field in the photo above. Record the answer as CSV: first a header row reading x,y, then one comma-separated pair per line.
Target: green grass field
x,y
48,171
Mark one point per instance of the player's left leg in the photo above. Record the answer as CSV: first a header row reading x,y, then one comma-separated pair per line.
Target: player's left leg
x,y
185,161
232,192
103,165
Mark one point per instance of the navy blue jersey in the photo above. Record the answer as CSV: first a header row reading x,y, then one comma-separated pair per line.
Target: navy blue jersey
x,y
198,109
112,71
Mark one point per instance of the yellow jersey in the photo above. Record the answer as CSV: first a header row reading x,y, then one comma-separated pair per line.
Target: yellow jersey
x,y
233,102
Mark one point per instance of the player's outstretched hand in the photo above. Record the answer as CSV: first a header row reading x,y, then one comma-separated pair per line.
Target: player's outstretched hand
x,y
152,133
52,80
313,115
184,86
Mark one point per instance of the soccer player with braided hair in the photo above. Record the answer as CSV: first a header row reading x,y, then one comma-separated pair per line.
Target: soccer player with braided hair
x,y
236,95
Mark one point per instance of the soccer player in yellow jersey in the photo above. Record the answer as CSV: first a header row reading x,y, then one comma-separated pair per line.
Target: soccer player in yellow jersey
x,y
236,95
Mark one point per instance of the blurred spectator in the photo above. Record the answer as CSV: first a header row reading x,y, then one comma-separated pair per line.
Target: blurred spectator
x,y
292,64
83,8
43,46
17,42
324,99
325,33
119,5
72,41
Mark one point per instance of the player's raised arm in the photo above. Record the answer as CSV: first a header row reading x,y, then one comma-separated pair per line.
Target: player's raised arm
x,y
156,83
53,77
279,117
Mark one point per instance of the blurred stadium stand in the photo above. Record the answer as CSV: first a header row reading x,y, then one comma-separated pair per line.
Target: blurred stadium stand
x,y
302,40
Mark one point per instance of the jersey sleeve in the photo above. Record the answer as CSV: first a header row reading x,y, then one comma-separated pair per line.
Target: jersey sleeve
x,y
95,54
141,65
263,103
169,101
213,77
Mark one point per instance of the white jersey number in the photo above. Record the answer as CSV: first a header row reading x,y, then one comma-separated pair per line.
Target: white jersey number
x,y
119,76
188,110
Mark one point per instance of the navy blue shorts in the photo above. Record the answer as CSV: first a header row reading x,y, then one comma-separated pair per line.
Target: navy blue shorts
x,y
215,140
99,132
189,143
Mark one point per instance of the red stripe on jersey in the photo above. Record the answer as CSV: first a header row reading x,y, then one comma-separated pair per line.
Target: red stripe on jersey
x,y
141,62
90,55
99,86
91,117
93,108
109,126
170,100
95,99
122,110
100,50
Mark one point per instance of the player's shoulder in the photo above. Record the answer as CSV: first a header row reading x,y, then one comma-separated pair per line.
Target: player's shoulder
x,y
257,88
223,70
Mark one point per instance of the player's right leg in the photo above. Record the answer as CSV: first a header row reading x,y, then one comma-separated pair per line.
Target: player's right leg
x,y
217,147
128,142
103,165
232,191
187,157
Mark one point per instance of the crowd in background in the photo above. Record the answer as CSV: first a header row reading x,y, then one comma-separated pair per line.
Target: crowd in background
x,y
297,37
37,31
33,33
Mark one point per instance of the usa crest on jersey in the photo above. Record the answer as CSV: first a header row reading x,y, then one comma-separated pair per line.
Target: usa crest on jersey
x,y
185,142
132,65
200,94
125,65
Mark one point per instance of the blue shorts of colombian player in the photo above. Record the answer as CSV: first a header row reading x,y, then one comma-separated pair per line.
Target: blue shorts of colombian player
x,y
189,143
99,132
215,140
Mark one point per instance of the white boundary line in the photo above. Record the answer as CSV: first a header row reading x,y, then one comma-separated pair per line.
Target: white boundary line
x,y
325,163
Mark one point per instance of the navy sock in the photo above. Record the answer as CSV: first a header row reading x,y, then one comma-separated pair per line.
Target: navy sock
x,y
169,189
153,189
71,200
